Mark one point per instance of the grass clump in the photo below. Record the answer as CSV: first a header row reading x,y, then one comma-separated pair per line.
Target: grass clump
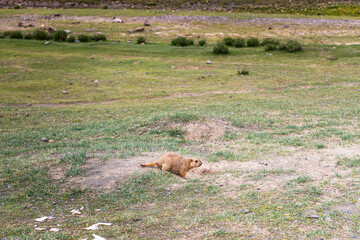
x,y
16,7
141,40
84,38
60,36
239,43
220,48
28,36
243,71
16,35
202,43
105,7
98,37
229,41
267,41
270,47
71,39
253,42
291,46
182,42
41,35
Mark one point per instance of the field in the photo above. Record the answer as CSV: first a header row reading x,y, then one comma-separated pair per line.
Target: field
x,y
280,146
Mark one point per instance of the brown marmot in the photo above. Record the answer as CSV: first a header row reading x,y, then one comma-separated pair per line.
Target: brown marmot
x,y
175,163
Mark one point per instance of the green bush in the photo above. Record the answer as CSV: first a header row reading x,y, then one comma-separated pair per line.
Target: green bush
x,y
229,41
182,42
270,47
239,43
220,48
84,38
141,40
291,46
28,36
98,37
71,39
60,36
105,7
267,41
41,35
16,7
2,35
253,42
202,42
16,35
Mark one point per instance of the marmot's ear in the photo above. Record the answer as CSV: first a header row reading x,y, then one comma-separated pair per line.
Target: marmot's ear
x,y
191,160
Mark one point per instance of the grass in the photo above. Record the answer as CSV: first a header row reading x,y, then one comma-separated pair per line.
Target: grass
x,y
291,106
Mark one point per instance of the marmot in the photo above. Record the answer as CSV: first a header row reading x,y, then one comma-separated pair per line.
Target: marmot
x,y
175,163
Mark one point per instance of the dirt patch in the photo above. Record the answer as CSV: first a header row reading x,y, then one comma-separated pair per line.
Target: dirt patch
x,y
208,131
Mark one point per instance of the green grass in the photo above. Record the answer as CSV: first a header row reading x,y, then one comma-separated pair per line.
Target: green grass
x,y
291,106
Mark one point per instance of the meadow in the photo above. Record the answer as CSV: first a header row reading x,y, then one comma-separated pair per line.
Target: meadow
x,y
279,146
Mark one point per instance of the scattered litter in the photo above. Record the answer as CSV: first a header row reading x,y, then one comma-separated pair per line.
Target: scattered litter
x,y
40,229
95,226
43,219
96,237
54,229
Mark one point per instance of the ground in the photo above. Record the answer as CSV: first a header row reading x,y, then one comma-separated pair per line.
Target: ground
x,y
280,146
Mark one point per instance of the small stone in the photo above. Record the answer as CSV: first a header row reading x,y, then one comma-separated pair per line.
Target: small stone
x,y
139,29
44,139
258,189
51,30
209,75
29,96
120,62
75,22
117,20
19,24
136,219
28,104
57,15
47,42
202,76
247,211
312,216
65,92
67,31
208,62
146,23
71,83
270,28
147,73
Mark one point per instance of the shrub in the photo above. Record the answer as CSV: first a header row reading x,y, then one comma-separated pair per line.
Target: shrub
x,y
141,40
71,39
60,36
16,7
229,41
270,47
220,48
98,37
7,33
2,35
202,42
182,42
267,41
291,46
239,43
243,71
253,42
16,35
28,36
41,35
105,7
84,38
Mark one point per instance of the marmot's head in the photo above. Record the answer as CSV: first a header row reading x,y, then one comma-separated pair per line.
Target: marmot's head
x,y
195,163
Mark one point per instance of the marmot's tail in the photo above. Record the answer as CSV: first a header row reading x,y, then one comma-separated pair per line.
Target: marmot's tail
x,y
148,164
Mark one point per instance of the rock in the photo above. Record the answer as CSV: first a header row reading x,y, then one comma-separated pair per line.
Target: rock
x,y
43,26
51,30
44,139
264,163
47,42
28,104
71,83
146,23
313,216
117,20
47,17
20,24
247,211
75,22
57,15
65,92
139,29
208,62
142,43
67,31
77,41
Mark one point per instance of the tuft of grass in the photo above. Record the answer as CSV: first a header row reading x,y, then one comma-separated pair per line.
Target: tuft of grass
x,y
202,42
290,46
60,36
253,42
41,35
348,162
84,38
16,35
183,117
98,37
182,42
243,71
239,43
71,38
302,179
141,40
229,41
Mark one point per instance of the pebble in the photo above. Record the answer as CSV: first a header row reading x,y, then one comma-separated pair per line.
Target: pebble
x,y
44,139
71,83
247,211
47,42
312,216
28,104
65,92
208,62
